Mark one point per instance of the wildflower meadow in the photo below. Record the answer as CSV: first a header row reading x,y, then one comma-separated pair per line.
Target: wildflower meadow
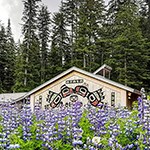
x,y
75,128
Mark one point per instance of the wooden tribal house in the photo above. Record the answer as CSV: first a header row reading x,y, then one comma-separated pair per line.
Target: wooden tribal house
x,y
76,84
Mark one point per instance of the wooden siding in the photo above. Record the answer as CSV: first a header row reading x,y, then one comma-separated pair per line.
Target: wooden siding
x,y
91,83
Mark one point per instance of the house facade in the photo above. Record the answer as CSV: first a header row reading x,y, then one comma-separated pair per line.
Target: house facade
x,y
78,85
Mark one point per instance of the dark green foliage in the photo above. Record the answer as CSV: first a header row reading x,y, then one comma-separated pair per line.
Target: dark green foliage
x,y
86,125
30,50
44,38
83,34
59,54
3,60
19,72
10,66
126,53
7,57
145,24
70,9
88,33
32,144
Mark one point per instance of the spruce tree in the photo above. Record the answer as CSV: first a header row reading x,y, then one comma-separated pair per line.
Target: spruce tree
x,y
70,10
145,24
148,18
44,38
126,53
19,69
147,80
9,71
7,58
30,49
3,57
59,54
89,27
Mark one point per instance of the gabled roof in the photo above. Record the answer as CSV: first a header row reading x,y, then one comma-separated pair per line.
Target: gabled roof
x,y
10,97
104,66
98,77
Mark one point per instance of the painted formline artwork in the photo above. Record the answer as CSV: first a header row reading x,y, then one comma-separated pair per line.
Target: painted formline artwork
x,y
95,97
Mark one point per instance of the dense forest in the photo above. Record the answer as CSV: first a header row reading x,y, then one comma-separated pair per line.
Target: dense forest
x,y
83,33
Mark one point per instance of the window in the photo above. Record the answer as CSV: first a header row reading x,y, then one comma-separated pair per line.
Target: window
x,y
40,100
113,99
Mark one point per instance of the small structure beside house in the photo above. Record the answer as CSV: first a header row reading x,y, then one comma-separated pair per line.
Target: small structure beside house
x,y
76,84
11,98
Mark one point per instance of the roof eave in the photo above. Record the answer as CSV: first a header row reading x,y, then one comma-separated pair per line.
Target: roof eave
x,y
101,78
102,67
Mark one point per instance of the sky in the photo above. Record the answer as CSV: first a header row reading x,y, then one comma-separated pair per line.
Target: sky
x,y
12,9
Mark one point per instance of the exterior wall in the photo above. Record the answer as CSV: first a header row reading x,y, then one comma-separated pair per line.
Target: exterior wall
x,y
32,101
90,83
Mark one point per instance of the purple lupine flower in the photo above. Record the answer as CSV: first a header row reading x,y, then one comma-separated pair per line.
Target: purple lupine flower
x,y
77,142
13,146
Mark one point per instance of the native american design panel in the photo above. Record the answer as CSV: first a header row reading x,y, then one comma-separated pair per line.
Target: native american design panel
x,y
94,97
77,87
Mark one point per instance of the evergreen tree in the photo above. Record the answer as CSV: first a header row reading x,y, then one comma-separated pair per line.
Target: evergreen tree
x,y
145,24
144,11
7,57
81,36
147,80
44,38
3,57
70,11
126,53
9,68
30,48
19,69
148,19
89,27
59,55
